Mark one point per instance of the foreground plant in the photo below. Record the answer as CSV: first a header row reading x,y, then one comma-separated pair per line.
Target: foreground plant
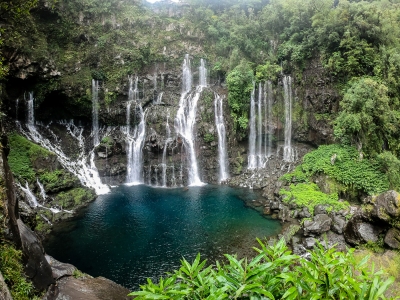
x,y
275,273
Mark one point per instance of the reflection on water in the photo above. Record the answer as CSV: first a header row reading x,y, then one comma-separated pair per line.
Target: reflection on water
x,y
138,232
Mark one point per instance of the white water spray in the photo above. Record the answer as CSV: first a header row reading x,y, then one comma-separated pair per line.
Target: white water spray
x,y
222,152
185,121
288,152
95,112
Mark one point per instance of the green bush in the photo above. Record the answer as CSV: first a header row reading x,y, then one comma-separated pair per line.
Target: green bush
x,y
309,195
347,168
275,273
208,138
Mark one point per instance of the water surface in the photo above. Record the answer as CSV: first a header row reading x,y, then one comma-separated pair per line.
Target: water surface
x,y
139,231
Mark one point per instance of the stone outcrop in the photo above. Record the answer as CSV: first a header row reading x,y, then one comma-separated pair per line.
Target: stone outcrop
x,y
319,224
392,238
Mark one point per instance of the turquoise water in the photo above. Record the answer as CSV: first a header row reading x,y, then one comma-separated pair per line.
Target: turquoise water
x,y
139,231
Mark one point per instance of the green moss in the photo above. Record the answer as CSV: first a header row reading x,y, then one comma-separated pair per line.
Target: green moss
x,y
309,195
22,155
209,138
74,197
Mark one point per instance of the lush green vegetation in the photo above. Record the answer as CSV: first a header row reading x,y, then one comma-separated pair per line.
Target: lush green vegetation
x,y
309,195
275,273
11,267
74,197
343,164
23,154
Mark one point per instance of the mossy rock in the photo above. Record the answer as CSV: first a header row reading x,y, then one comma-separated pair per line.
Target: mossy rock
x,y
74,198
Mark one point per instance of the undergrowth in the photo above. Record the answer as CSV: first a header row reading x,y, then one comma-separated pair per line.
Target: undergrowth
x,y
12,269
275,273
309,195
343,164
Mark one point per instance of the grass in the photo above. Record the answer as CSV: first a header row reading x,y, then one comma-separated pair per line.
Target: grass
x,y
389,262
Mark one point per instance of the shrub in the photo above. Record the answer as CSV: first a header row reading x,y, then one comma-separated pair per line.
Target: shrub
x,y
275,273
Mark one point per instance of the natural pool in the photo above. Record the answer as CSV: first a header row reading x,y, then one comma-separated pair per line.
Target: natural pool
x,y
137,232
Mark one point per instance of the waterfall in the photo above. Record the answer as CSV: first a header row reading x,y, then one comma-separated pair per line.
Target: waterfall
x,y
135,140
288,152
186,118
260,155
30,119
186,75
159,98
222,152
164,156
29,195
202,73
269,128
41,188
252,160
88,176
95,112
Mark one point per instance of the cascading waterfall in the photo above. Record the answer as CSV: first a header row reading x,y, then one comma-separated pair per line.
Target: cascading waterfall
x,y
164,156
268,120
288,151
88,176
186,118
252,159
260,156
202,73
95,112
260,136
135,140
222,152
41,188
29,195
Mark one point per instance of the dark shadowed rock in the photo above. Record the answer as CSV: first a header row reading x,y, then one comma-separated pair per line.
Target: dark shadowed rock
x,y
304,213
338,224
392,238
4,292
320,209
36,266
331,239
358,231
320,223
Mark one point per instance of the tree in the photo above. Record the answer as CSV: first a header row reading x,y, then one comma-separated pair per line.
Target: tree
x,y
366,118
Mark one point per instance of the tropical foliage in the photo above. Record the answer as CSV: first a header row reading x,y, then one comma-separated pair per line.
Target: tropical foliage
x,y
275,273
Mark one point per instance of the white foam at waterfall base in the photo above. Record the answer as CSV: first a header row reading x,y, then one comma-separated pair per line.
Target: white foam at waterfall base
x,y
222,152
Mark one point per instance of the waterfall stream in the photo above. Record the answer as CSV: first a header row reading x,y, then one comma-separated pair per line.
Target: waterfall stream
x,y
186,118
95,112
88,175
222,151
136,139
288,152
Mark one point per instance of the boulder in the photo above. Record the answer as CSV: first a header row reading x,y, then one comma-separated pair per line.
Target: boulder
x,y
386,206
309,242
60,269
320,223
392,238
338,224
358,231
304,213
331,239
320,209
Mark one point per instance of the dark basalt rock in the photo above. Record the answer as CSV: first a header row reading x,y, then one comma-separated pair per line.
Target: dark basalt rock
x,y
60,269
338,224
358,230
36,266
320,223
392,238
